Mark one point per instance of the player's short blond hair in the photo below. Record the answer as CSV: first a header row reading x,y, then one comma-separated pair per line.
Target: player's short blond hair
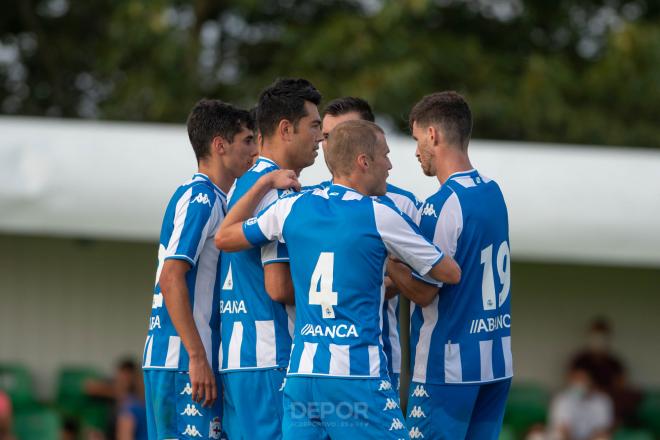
x,y
347,141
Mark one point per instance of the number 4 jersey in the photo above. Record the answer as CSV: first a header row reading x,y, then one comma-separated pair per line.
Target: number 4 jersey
x,y
464,336
338,242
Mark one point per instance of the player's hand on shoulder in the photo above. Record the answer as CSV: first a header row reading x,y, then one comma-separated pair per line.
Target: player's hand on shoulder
x,y
284,179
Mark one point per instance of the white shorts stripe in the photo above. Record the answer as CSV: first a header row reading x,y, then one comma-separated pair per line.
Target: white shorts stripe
x,y
173,350
307,358
340,360
235,342
453,366
508,358
265,343
486,356
149,344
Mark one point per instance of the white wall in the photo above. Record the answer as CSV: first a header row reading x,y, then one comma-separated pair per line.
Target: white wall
x,y
70,302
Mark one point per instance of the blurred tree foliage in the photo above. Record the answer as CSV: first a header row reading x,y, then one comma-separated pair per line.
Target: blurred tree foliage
x,y
580,71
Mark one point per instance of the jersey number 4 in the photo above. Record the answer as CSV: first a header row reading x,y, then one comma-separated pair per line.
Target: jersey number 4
x,y
320,287
503,265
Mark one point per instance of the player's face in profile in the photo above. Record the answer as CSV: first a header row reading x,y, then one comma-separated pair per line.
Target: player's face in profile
x,y
242,152
380,167
425,153
307,136
330,122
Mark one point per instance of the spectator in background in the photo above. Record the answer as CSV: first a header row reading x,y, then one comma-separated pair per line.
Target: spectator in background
x,y
608,371
5,417
582,411
126,389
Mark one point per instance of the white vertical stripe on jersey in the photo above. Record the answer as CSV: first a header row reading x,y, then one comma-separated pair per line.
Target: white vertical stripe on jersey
x,y
374,360
220,357
148,347
394,334
235,342
204,287
449,225
340,360
453,366
265,350
307,358
180,213
508,358
173,351
430,314
291,314
212,221
486,356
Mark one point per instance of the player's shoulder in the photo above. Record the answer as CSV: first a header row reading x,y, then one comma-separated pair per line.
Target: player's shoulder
x,y
198,190
394,191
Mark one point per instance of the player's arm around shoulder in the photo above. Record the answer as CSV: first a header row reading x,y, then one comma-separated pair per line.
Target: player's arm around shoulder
x,y
231,236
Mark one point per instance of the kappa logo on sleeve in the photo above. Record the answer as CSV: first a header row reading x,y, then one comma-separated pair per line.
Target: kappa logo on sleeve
x,y
202,199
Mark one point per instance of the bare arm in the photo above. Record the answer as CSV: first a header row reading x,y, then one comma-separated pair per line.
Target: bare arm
x,y
390,288
418,291
230,236
278,282
125,427
175,293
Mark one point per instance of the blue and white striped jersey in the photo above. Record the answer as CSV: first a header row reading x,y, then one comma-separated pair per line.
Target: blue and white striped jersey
x,y
464,336
256,331
411,206
191,220
338,242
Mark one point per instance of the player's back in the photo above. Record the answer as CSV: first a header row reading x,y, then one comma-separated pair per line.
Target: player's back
x,y
337,265
255,329
464,336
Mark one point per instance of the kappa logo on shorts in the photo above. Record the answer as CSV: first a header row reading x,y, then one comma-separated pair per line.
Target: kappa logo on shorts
x,y
429,210
390,404
192,431
420,391
417,412
215,430
416,433
384,385
187,390
396,425
201,198
191,410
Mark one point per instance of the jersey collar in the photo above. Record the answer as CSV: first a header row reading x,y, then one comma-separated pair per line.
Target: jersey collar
x,y
210,182
471,172
270,161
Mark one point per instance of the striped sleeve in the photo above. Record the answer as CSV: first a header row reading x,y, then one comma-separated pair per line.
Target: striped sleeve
x,y
404,240
193,219
269,224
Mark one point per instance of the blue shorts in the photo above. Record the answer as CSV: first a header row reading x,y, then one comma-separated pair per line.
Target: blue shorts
x,y
457,411
253,404
171,412
328,407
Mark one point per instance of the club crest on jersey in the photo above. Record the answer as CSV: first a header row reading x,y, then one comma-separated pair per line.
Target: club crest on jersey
x,y
192,431
429,210
416,433
215,430
190,411
396,425
420,391
251,221
202,199
187,390
338,331
417,413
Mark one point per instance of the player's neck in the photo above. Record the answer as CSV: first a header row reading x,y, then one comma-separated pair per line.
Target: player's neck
x,y
352,183
221,177
277,153
452,163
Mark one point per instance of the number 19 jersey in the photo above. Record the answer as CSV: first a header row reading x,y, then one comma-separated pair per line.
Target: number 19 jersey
x,y
338,243
464,336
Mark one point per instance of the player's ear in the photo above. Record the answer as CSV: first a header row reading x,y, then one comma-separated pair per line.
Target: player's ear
x,y
218,145
362,162
285,129
432,133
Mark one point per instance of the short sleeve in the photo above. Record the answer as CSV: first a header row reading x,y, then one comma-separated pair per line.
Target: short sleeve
x,y
404,240
269,224
193,221
449,226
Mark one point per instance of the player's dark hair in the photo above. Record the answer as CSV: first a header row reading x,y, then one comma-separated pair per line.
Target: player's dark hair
x,y
284,99
447,111
210,118
350,104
